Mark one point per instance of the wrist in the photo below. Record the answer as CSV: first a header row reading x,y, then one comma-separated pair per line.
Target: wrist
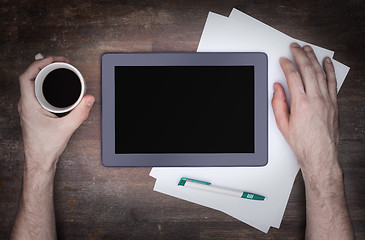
x,y
329,180
37,182
321,166
39,164
34,176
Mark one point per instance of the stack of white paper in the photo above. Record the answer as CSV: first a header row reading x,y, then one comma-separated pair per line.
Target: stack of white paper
x,y
242,33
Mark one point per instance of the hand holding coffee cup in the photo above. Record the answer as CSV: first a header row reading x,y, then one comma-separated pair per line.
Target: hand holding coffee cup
x,y
59,87
45,135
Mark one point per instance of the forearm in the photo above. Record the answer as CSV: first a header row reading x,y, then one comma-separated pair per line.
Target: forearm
x,y
45,137
327,213
35,217
310,126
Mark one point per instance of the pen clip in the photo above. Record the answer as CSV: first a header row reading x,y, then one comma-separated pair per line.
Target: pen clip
x,y
184,179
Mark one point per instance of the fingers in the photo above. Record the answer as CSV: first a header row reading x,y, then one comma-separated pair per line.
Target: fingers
x,y
293,79
61,59
79,114
306,69
331,79
318,71
280,108
26,79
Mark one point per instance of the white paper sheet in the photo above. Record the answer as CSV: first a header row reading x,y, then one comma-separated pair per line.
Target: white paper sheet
x,y
243,33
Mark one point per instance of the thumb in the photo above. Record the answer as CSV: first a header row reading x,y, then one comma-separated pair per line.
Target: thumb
x,y
80,113
280,108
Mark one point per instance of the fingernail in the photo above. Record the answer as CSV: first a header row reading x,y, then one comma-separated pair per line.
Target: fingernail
x,y
307,48
282,59
275,87
328,60
38,56
90,102
295,45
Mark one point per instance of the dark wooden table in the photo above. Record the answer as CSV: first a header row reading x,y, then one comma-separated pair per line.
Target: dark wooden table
x,y
94,202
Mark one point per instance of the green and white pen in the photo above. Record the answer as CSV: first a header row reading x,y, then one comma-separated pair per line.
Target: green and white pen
x,y
207,186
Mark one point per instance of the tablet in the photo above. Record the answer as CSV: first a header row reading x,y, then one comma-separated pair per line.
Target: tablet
x,y
184,109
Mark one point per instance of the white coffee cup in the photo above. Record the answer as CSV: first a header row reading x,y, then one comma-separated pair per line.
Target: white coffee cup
x,y
39,87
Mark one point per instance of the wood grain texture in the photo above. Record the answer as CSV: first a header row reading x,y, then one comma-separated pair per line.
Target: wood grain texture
x,y
94,202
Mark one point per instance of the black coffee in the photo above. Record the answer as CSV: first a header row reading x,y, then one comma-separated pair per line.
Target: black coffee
x,y
61,88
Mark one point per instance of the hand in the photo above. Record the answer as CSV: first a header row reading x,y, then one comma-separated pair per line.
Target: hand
x,y
45,135
311,125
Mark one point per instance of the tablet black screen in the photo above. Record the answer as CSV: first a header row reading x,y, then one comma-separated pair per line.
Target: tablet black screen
x,y
184,109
